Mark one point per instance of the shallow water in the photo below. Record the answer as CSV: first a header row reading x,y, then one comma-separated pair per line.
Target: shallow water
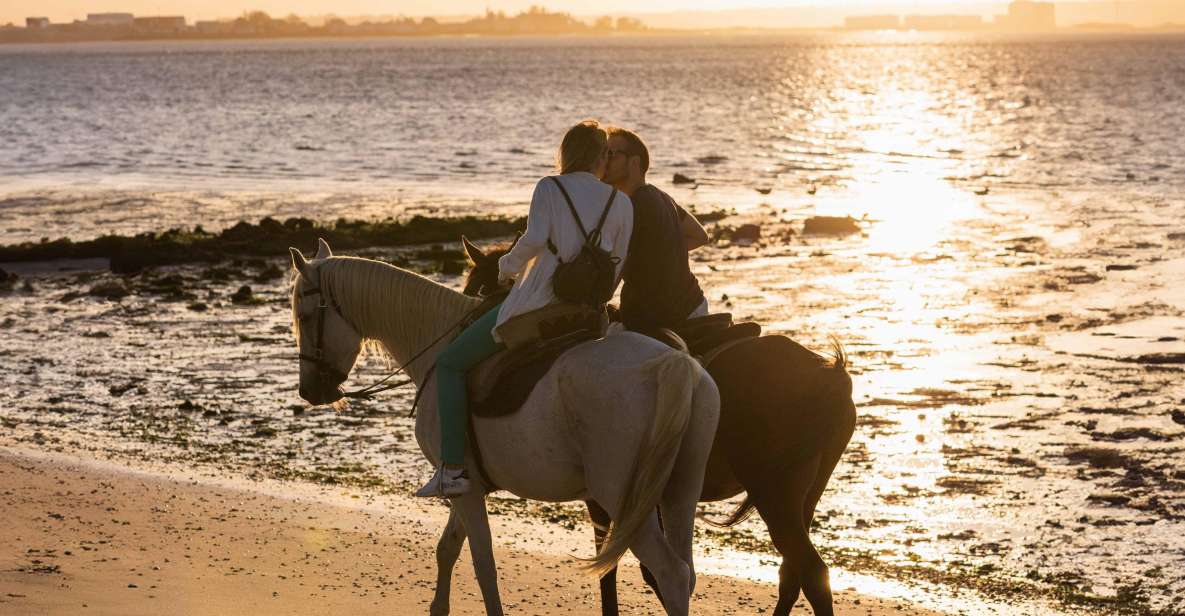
x,y
869,123
1017,355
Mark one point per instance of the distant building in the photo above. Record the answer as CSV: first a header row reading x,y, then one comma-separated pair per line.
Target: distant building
x,y
214,27
1028,16
943,22
37,23
159,25
872,22
109,20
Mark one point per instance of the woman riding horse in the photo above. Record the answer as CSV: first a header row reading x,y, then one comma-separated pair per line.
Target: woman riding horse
x,y
561,208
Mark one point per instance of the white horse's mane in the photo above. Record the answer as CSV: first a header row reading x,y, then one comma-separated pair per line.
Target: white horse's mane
x,y
381,300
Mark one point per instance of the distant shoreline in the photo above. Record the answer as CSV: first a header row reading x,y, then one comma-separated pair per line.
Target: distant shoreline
x,y
652,33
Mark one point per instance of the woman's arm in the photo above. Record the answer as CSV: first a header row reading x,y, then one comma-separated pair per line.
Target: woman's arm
x,y
693,233
533,241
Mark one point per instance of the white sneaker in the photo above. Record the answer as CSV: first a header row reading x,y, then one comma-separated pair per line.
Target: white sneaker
x,y
446,483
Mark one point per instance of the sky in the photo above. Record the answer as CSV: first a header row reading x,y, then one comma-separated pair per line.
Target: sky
x,y
737,12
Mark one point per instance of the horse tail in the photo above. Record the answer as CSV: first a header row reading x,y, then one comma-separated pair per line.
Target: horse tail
x,y
743,512
839,359
839,392
678,375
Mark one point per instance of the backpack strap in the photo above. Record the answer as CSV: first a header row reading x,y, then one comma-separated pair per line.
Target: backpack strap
x,y
575,214
595,236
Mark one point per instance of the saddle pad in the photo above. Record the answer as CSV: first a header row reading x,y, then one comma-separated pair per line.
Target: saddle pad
x,y
717,338
502,383
550,322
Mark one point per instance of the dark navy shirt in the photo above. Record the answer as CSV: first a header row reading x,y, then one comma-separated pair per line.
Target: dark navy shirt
x,y
658,289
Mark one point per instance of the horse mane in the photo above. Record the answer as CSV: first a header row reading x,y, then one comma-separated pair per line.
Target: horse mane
x,y
378,297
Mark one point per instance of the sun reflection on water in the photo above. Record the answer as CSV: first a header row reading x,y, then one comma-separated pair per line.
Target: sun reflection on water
x,y
902,136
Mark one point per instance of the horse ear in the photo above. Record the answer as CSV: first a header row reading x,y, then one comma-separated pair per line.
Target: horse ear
x,y
300,264
323,251
517,237
475,253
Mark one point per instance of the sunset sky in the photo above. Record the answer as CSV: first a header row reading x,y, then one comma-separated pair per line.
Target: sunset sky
x,y
806,12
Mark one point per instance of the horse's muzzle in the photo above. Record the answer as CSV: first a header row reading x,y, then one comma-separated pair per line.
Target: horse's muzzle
x,y
318,396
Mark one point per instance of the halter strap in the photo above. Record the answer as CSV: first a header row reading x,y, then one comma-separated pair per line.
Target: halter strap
x,y
318,360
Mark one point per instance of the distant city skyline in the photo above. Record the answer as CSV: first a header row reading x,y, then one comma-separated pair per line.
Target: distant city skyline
x,y
660,13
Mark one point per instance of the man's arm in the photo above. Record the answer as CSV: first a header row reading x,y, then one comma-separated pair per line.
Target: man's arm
x,y
694,234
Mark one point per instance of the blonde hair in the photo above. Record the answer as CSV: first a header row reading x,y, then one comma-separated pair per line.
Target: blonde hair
x,y
582,146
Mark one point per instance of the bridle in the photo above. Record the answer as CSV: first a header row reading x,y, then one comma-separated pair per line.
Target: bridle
x,y
324,368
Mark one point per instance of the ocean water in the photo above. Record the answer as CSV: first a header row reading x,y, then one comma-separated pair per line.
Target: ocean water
x,y
1012,308
478,120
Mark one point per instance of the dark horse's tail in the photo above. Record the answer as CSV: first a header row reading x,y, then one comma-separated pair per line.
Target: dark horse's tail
x,y
814,396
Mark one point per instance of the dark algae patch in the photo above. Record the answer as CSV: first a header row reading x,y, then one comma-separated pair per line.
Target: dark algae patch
x,y
267,238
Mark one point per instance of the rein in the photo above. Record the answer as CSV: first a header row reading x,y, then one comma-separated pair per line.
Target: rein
x,y
368,392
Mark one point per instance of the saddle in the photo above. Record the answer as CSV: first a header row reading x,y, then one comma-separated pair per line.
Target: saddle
x,y
706,337
501,384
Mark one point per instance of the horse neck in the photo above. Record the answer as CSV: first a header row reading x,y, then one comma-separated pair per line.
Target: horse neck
x,y
403,311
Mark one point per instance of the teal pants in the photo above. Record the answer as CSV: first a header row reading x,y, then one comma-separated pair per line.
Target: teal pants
x,y
462,354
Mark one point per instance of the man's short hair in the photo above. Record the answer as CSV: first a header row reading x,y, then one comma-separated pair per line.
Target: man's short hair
x,y
637,146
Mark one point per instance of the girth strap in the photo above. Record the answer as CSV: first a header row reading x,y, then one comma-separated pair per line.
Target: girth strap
x,y
478,461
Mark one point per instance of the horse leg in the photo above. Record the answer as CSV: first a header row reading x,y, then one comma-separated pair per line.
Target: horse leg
x,y
647,576
671,572
677,508
837,443
447,551
600,521
816,579
472,509
781,506
675,520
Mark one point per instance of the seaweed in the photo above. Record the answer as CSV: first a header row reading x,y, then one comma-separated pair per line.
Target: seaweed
x,y
269,237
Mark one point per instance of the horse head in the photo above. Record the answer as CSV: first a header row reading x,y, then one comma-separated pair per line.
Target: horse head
x,y
328,344
483,277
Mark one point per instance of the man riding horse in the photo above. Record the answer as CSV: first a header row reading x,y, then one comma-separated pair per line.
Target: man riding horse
x,y
658,288
786,413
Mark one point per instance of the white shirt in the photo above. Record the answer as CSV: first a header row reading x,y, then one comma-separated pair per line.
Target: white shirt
x,y
532,264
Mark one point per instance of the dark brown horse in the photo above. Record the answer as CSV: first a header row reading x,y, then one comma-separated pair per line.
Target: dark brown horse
x,y
786,416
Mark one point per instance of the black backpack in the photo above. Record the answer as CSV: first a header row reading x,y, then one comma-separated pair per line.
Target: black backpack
x,y
591,276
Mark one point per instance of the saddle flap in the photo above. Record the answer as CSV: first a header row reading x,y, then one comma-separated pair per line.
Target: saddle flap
x,y
483,379
501,384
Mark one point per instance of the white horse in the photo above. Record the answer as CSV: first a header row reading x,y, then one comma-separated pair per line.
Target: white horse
x,y
624,420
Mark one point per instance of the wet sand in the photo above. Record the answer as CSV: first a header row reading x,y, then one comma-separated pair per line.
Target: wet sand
x,y
1019,395
88,537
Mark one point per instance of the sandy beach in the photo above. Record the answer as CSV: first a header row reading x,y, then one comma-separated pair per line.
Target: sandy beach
x,y
87,537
